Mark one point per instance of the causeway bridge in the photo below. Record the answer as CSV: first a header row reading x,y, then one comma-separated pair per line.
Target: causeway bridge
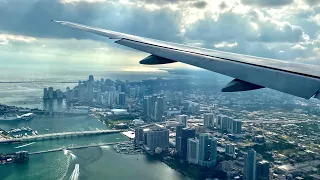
x,y
78,147
54,136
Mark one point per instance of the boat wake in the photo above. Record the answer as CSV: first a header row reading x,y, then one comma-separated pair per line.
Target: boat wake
x,y
24,145
70,156
75,174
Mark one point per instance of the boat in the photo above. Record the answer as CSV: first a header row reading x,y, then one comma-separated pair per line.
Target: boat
x,y
27,116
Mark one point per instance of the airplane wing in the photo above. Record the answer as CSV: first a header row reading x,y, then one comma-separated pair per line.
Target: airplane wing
x,y
249,72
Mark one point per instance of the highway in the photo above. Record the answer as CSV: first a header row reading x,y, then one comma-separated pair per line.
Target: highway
x,y
58,136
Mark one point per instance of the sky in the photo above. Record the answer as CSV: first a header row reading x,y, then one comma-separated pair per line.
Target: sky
x,y
280,29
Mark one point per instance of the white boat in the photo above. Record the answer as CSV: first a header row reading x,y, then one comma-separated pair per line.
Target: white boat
x,y
27,116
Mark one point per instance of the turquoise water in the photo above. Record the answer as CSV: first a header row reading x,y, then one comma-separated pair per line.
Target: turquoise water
x,y
94,163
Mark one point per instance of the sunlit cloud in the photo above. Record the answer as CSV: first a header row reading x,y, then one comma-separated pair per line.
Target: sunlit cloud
x,y
6,38
226,44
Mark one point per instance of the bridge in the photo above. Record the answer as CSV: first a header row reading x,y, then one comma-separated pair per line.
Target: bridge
x,y
78,147
58,136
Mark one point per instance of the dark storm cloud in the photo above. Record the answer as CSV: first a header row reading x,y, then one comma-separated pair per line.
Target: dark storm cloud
x,y
267,3
200,4
32,18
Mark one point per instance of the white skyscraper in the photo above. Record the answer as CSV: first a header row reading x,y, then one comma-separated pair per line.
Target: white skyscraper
x,y
208,120
183,119
193,151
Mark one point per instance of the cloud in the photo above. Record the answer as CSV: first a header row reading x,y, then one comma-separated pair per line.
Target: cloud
x,y
200,4
34,19
267,3
312,2
279,29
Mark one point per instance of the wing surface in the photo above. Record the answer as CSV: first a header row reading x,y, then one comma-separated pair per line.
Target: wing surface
x,y
302,80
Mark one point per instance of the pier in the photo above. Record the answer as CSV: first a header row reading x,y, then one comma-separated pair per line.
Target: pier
x,y
78,147
54,136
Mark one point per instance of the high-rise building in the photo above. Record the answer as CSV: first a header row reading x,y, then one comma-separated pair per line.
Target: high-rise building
x,y
230,149
50,93
208,120
222,122
82,92
229,125
213,151
193,151
122,99
250,165
45,93
203,148
91,78
183,119
132,92
59,94
179,128
186,134
69,94
157,137
159,109
236,126
263,170
89,94
98,97
138,135
145,105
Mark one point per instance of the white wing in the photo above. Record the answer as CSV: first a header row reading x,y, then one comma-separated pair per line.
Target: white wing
x,y
250,72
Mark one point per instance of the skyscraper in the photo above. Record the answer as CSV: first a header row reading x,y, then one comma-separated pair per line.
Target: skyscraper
x,y
145,105
157,137
50,93
208,120
183,119
193,150
89,93
186,134
45,93
82,92
236,126
179,128
203,148
159,109
250,165
91,78
122,99
230,149
263,170
138,135
213,151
